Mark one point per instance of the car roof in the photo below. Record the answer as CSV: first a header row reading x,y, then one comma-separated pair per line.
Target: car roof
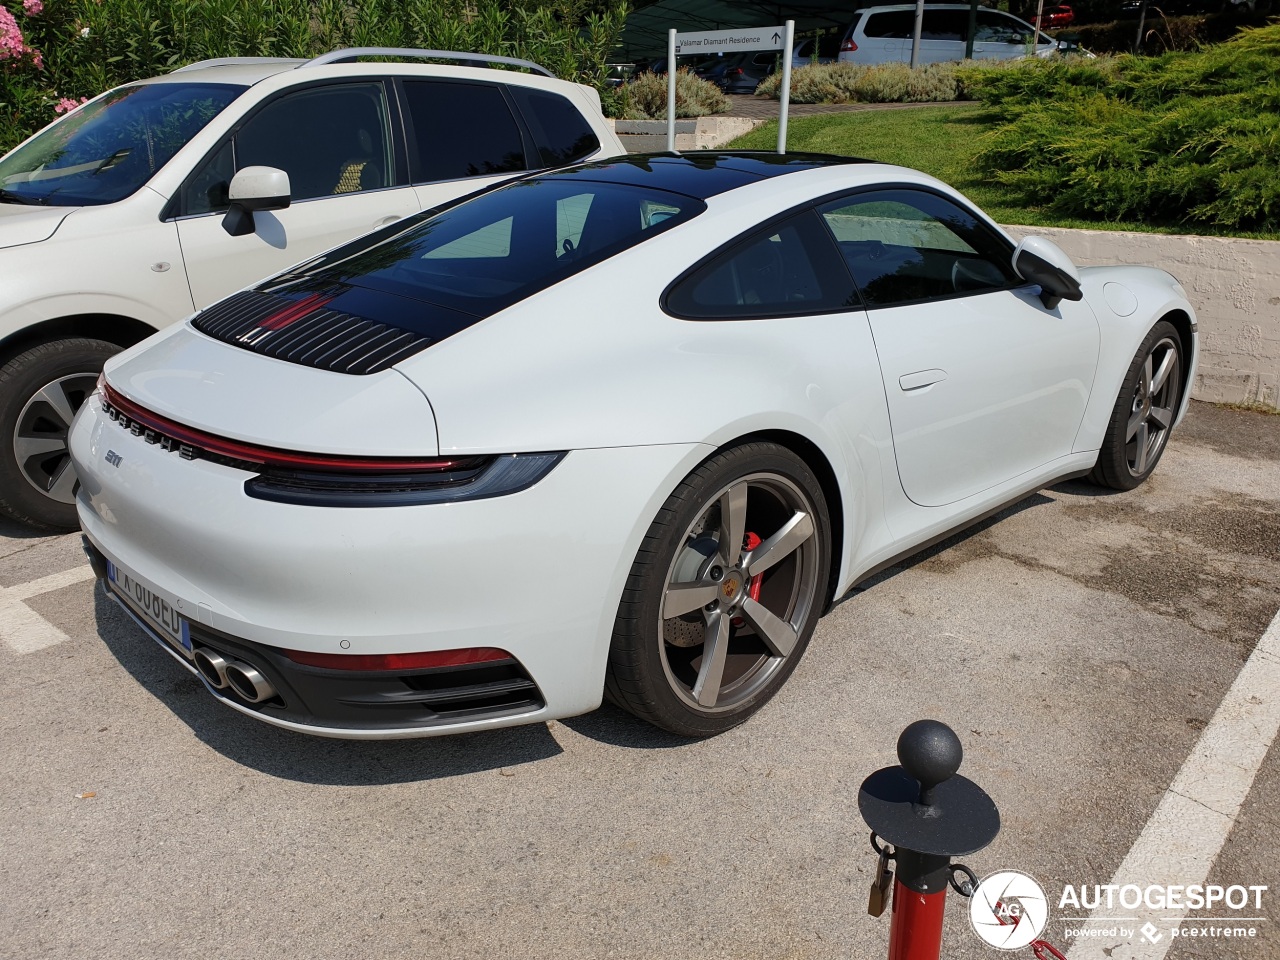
x,y
927,6
243,71
703,174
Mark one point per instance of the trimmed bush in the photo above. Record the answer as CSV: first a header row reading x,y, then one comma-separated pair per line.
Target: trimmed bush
x,y
1180,139
877,83
645,97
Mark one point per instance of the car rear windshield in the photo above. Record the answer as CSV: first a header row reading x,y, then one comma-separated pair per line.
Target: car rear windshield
x,y
503,246
108,149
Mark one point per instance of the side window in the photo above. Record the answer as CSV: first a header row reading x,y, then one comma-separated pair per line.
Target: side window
x,y
206,190
891,25
462,130
944,25
561,132
904,246
331,140
996,27
785,270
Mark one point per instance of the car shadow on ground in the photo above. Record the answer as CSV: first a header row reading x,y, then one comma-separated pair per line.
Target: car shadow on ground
x,y
307,759
617,728
12,530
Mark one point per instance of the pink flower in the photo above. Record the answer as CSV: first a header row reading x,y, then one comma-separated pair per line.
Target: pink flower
x,y
66,105
12,44
32,8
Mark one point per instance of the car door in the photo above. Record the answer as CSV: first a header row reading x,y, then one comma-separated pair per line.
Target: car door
x,y
942,35
335,140
1000,36
463,136
886,38
983,382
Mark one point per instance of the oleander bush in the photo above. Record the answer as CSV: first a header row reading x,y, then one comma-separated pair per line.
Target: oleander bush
x,y
86,46
877,83
645,97
1183,138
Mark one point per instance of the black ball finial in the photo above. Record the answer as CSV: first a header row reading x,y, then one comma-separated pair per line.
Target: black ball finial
x,y
930,752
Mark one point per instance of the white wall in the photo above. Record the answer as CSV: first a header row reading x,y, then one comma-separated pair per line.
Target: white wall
x,y
1234,286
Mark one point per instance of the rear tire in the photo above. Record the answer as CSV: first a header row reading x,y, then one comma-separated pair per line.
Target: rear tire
x,y
724,593
40,391
1143,416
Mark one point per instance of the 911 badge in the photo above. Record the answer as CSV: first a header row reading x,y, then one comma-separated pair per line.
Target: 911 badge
x,y
113,458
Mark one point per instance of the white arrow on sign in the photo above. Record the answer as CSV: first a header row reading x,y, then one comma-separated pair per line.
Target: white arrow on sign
x,y
721,41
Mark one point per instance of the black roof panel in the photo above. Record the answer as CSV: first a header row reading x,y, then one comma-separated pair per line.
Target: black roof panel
x,y
702,174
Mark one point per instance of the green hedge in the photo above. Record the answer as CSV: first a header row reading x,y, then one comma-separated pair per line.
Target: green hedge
x,y
88,46
1184,138
860,83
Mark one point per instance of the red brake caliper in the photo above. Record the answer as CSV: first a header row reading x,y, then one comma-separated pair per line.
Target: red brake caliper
x,y
750,542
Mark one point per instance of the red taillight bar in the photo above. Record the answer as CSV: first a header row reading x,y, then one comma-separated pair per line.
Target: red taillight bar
x,y
849,46
269,457
398,661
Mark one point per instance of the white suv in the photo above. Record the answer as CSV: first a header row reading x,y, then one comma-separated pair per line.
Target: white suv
x,y
883,35
160,197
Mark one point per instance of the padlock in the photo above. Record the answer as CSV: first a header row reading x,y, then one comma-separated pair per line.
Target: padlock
x,y
880,886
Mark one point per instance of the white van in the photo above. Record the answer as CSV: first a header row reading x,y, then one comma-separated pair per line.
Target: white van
x,y
883,35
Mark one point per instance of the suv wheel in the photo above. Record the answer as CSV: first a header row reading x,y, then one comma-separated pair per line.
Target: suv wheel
x,y
40,391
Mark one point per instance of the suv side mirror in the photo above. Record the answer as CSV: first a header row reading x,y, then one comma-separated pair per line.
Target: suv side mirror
x,y
254,188
1041,261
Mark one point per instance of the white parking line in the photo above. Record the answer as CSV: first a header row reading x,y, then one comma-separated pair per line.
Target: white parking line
x,y
21,628
1182,839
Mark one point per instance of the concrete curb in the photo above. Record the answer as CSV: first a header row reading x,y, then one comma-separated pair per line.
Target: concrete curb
x,y
700,133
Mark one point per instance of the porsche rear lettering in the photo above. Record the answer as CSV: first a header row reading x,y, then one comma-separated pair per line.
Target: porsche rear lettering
x,y
164,442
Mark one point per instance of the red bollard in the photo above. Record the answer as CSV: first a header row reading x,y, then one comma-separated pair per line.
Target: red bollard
x,y
929,814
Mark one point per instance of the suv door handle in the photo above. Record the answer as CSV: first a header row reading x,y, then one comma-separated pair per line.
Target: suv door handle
x,y
385,220
921,379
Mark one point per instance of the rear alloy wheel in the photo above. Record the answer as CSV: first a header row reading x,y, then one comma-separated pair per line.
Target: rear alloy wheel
x,y
1142,419
40,392
724,594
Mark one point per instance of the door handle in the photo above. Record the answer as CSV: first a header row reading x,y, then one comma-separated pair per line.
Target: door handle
x,y
921,379
385,220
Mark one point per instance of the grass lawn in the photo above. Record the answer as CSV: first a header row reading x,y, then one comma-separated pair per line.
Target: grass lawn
x,y
941,141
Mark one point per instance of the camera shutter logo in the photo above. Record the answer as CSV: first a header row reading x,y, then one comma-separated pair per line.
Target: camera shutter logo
x,y
1008,910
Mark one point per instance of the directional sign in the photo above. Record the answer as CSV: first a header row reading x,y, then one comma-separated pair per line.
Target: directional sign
x,y
721,41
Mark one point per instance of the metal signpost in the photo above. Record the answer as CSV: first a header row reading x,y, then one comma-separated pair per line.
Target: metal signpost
x,y
726,41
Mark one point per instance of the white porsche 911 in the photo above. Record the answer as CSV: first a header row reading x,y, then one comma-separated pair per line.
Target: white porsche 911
x,y
622,429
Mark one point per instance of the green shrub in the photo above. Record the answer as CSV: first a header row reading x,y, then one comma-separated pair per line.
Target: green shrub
x,y
91,45
1184,138
1160,33
645,97
878,83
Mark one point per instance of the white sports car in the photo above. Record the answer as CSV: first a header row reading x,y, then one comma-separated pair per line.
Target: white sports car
x,y
623,429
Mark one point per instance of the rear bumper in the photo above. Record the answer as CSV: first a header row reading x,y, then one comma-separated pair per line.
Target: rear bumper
x,y
537,573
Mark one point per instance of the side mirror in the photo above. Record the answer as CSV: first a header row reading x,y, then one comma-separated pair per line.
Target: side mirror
x,y
254,188
1041,261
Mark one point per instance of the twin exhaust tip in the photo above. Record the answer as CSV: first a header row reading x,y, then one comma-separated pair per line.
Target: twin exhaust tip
x,y
243,679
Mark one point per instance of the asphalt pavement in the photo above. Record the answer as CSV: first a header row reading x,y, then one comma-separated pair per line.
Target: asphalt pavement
x,y
1079,642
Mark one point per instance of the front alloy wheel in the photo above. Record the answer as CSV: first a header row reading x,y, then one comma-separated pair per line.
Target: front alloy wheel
x,y
1142,419
725,593
40,392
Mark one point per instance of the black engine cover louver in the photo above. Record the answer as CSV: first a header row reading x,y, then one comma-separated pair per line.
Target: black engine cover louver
x,y
308,331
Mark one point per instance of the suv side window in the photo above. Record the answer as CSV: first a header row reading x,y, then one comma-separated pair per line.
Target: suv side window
x,y
330,139
944,25
439,110
788,269
995,27
560,131
906,246
890,25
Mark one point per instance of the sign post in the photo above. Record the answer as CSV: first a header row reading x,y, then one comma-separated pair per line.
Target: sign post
x,y
784,95
731,41
673,45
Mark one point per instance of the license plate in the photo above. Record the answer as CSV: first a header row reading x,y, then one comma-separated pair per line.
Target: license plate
x,y
157,610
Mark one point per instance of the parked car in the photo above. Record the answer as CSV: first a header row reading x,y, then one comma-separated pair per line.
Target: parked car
x,y
823,49
1055,18
160,197
745,71
884,35
626,428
